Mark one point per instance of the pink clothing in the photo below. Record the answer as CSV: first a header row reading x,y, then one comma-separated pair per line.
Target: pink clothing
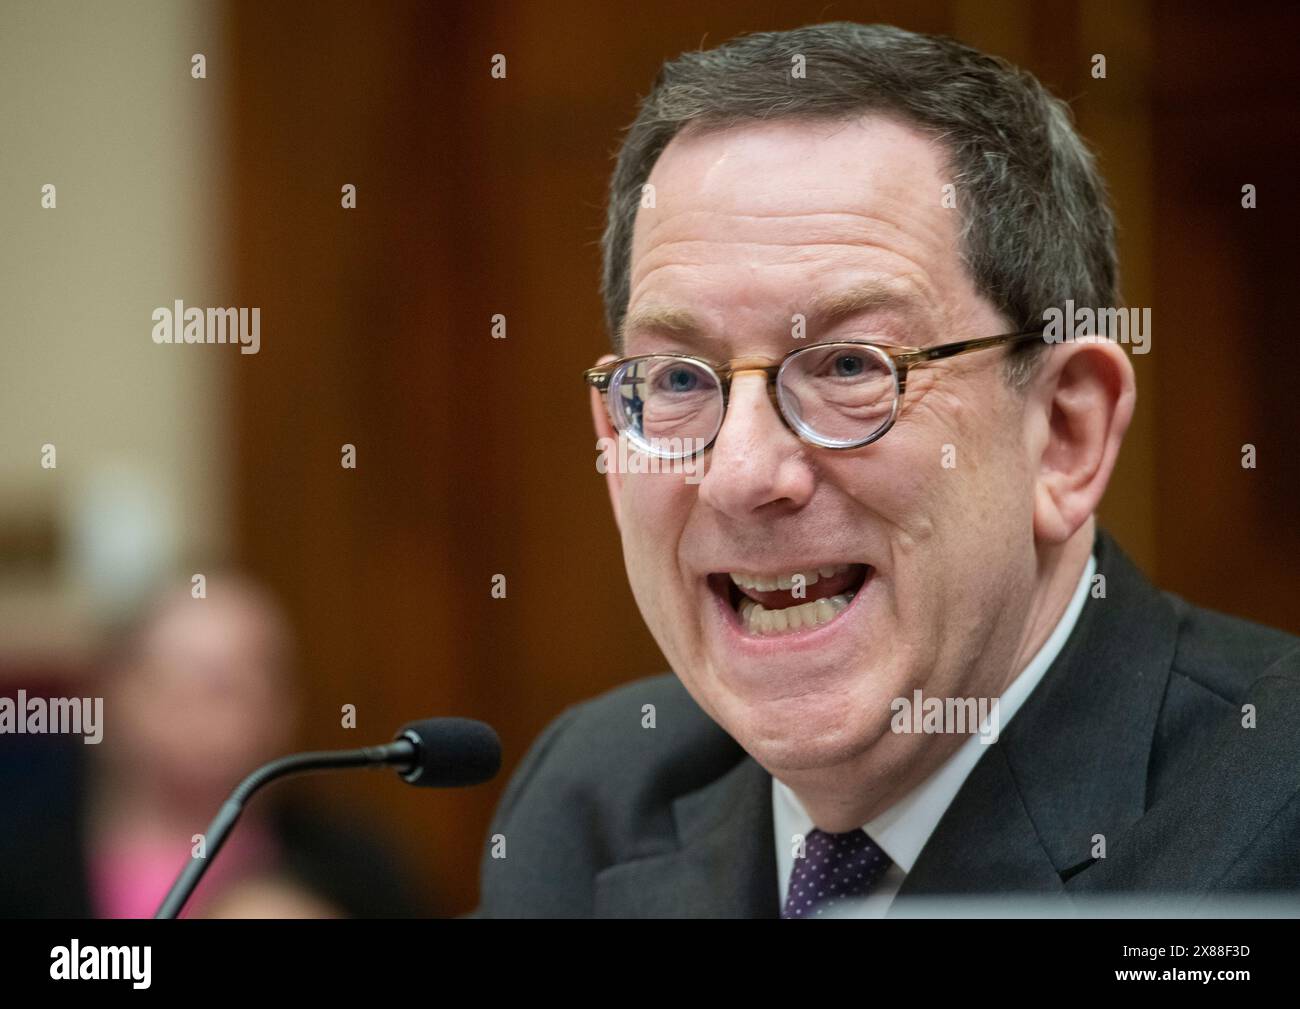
x,y
130,880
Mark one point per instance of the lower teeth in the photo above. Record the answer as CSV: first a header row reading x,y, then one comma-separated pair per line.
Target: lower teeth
x,y
758,620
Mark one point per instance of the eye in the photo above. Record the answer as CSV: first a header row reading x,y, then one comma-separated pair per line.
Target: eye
x,y
679,380
848,366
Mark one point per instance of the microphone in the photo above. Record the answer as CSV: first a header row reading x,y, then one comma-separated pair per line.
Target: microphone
x,y
450,752
432,753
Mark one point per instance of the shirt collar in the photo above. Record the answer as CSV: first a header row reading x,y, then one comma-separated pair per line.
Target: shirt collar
x,y
902,830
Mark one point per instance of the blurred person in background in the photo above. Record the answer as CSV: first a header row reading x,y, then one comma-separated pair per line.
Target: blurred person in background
x,y
197,694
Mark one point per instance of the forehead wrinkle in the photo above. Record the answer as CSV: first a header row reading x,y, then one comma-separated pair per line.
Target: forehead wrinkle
x,y
885,230
845,225
684,238
824,310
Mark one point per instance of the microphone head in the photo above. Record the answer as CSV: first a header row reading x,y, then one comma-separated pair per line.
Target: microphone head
x,y
450,752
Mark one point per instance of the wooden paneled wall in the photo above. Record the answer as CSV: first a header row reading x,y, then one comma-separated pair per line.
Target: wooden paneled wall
x,y
478,196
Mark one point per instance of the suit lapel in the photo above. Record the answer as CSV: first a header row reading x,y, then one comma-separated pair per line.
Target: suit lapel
x,y
724,867
1072,763
986,841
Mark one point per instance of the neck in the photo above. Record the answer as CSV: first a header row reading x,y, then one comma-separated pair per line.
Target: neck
x,y
1059,569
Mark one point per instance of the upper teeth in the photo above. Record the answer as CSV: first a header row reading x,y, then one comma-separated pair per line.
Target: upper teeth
x,y
770,583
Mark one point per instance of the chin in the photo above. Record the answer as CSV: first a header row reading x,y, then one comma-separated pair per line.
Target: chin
x,y
818,728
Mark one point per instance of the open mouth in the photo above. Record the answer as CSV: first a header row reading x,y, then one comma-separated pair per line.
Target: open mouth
x,y
770,604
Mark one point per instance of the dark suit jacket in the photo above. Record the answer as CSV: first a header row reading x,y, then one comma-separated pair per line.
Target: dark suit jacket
x,y
1134,733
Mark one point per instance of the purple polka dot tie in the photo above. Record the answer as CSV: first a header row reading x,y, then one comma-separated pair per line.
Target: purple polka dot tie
x,y
834,866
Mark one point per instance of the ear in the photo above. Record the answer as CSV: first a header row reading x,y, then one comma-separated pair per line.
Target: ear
x,y
1085,393
606,435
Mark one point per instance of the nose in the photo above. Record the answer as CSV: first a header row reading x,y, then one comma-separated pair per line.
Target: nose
x,y
756,461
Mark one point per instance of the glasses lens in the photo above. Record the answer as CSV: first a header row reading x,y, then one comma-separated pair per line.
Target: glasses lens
x,y
840,394
668,406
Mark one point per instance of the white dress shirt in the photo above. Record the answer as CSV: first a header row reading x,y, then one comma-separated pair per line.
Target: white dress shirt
x,y
902,830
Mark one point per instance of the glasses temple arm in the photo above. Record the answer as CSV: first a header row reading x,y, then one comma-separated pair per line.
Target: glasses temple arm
x,y
965,347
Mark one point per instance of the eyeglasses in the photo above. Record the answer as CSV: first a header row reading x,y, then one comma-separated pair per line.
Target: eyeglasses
x,y
840,395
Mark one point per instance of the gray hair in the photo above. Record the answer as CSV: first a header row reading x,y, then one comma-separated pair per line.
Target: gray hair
x,y
1036,225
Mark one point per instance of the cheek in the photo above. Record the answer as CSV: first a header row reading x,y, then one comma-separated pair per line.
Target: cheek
x,y
956,467
655,509
947,485
899,482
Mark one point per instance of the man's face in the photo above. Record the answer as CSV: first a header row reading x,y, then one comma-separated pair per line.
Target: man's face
x,y
926,534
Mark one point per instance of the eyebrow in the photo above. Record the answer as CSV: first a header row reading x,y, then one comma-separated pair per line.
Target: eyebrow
x,y
822,311
831,308
664,318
